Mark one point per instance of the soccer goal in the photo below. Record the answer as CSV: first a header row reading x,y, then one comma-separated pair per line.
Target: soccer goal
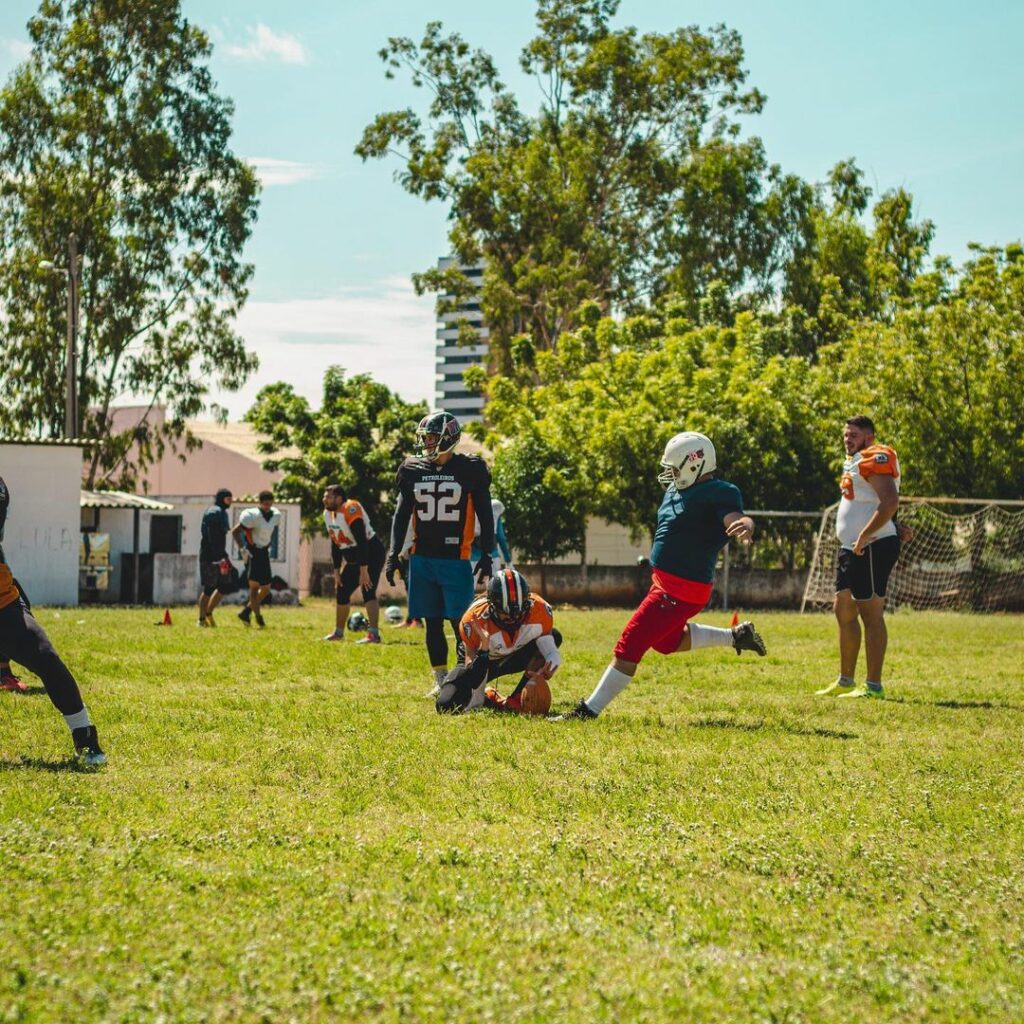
x,y
965,554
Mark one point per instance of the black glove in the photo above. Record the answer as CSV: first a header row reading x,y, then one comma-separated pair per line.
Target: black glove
x,y
482,570
390,568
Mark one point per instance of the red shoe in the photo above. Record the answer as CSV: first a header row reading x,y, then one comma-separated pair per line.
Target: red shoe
x,y
495,701
9,681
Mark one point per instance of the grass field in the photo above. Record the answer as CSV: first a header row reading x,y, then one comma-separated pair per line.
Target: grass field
x,y
287,831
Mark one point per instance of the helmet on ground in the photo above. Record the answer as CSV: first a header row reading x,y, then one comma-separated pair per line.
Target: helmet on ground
x,y
508,595
438,433
357,622
688,456
393,614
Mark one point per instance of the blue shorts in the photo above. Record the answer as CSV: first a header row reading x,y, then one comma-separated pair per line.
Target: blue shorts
x,y
439,588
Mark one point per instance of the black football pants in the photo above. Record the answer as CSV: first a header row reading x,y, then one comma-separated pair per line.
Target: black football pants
x,y
23,640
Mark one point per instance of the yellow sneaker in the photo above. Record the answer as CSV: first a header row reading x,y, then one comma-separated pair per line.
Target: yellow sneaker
x,y
837,689
865,691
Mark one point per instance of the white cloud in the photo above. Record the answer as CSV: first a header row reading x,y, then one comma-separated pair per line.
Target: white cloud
x,y
385,330
16,49
272,171
265,44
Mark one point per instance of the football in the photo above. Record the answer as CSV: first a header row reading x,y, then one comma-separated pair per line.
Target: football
x,y
535,698
393,614
357,622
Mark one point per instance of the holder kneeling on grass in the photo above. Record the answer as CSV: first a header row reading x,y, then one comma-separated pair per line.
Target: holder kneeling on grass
x,y
507,630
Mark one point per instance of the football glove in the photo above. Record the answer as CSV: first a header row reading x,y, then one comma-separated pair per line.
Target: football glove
x,y
483,569
225,566
390,568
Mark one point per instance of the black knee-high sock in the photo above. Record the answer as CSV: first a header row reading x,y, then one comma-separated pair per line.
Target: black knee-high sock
x,y
460,647
437,643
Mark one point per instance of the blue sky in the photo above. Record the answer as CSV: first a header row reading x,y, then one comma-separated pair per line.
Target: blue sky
x,y
924,95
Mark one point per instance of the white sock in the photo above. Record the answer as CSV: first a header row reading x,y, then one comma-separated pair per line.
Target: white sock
x,y
708,636
612,683
79,720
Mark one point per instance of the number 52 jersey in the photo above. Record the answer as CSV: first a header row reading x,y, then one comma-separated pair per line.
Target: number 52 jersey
x,y
444,501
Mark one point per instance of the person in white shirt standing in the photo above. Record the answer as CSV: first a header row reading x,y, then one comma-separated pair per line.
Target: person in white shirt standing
x,y
253,534
869,544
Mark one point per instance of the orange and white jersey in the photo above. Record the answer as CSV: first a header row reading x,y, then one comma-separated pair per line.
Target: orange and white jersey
x,y
339,524
859,499
477,621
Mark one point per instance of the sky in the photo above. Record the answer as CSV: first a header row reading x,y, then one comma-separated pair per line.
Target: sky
x,y
926,96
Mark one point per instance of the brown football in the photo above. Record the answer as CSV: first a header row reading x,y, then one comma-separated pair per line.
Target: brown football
x,y
536,697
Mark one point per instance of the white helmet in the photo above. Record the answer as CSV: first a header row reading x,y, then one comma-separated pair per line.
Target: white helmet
x,y
688,456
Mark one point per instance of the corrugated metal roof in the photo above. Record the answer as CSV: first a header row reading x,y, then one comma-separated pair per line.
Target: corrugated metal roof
x,y
119,499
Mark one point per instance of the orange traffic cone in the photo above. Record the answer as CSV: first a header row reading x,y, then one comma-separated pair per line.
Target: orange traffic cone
x,y
735,619
167,618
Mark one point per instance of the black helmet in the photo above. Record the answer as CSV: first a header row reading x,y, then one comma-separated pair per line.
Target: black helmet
x,y
508,595
438,432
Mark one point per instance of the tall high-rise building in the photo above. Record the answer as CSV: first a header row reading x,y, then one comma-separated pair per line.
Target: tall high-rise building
x,y
453,358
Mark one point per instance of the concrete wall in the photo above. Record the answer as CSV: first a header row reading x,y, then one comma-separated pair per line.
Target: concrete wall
x,y
626,585
41,541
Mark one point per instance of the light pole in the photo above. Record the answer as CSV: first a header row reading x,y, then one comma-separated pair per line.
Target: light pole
x,y
73,274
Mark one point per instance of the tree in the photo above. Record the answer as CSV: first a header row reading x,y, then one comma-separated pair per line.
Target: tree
x,y
357,438
112,129
544,510
615,392
628,182
943,380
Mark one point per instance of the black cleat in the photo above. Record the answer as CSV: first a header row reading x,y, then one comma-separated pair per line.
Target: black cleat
x,y
746,638
87,747
244,615
258,616
581,711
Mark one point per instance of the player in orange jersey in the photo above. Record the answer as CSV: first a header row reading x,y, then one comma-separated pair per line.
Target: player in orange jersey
x,y
508,630
869,544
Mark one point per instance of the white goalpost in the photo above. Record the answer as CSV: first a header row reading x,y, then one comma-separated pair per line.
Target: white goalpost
x,y
966,553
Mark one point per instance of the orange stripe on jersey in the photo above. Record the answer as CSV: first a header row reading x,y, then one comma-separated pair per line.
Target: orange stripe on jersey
x,y
878,460
9,593
468,528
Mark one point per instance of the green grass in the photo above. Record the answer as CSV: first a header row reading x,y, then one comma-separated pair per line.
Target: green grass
x,y
287,831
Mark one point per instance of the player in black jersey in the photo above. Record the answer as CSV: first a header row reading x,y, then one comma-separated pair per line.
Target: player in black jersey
x,y
443,492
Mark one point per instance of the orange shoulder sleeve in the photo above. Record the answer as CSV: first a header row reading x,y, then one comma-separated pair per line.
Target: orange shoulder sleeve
x,y
878,460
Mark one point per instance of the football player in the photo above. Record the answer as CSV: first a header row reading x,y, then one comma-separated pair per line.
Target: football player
x,y
23,639
869,544
257,526
354,545
441,491
697,518
214,564
507,630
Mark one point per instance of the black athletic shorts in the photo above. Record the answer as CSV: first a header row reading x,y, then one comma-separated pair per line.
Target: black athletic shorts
x,y
259,567
867,575
210,577
350,574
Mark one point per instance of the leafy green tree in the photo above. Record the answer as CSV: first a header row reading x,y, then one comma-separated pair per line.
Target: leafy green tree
x,y
112,129
615,392
544,509
628,182
357,438
943,380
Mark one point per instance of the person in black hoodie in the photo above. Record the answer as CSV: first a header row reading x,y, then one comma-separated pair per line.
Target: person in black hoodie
x,y
214,564
24,640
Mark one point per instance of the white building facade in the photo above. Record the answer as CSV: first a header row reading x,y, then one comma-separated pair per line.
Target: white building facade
x,y
42,535
454,359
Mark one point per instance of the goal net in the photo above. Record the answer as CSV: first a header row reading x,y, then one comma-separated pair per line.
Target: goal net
x,y
964,555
